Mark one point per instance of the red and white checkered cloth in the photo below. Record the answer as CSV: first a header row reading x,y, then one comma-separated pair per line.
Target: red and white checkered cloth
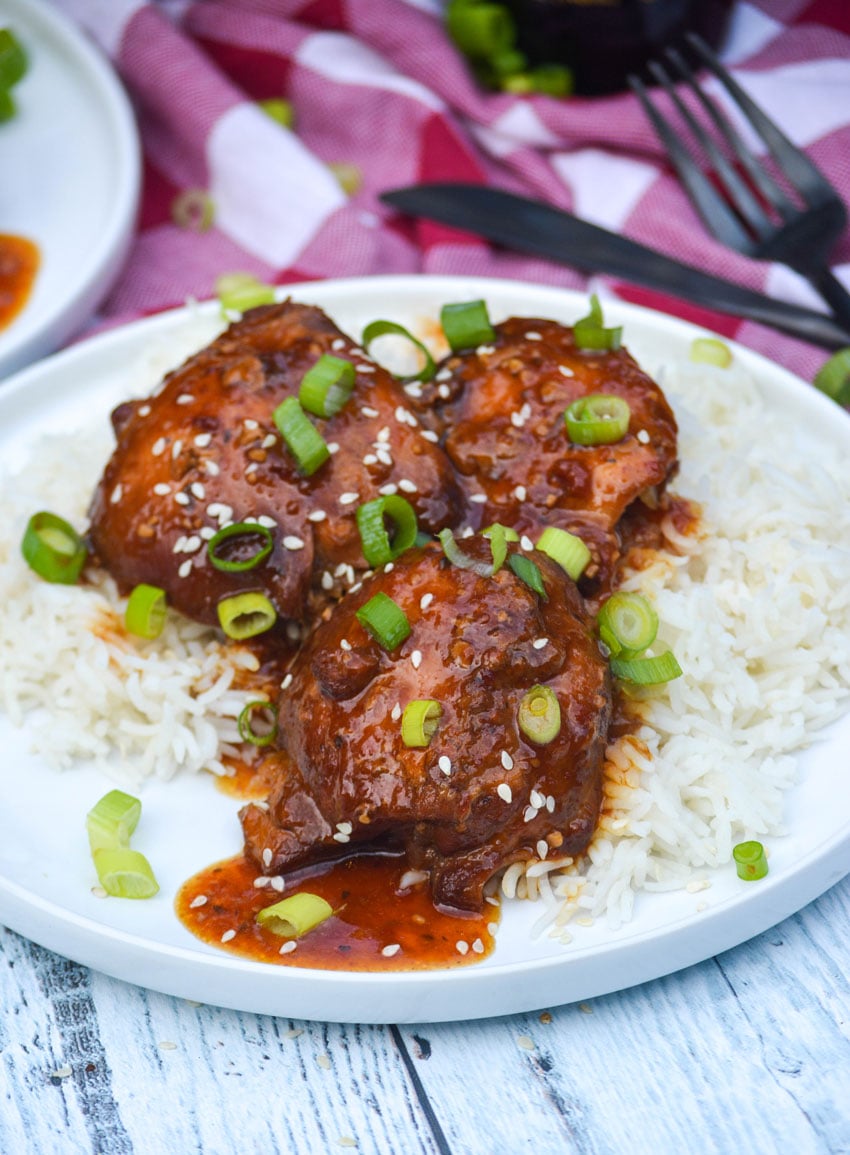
x,y
376,84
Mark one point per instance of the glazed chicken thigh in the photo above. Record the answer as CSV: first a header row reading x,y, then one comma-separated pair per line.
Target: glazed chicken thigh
x,y
499,410
481,794
204,452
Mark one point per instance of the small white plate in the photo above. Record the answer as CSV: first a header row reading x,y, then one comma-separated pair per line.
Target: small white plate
x,y
45,869
71,171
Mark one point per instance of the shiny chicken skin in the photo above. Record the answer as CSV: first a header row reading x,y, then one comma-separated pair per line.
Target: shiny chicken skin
x,y
204,451
500,412
481,795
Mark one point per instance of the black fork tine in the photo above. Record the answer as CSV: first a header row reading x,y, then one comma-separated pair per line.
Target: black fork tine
x,y
720,218
801,173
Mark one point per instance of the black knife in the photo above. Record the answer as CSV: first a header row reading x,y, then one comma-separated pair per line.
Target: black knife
x,y
534,227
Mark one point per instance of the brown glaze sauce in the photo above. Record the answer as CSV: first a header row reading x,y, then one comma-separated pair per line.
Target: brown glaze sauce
x,y
377,926
19,261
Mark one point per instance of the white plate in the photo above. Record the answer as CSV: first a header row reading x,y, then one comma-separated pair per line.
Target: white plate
x,y
45,871
71,172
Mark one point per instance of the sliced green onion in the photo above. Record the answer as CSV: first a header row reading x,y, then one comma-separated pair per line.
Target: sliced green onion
x,y
302,438
349,176
13,59
627,624
590,333
569,551
239,292
247,729
112,820
378,549
296,915
466,325
529,572
462,560
510,534
833,377
598,419
647,671
552,79
280,110
146,611
326,386
482,30
193,209
383,328
53,549
125,873
240,535
422,538
8,107
539,715
419,721
385,620
750,860
710,351
246,615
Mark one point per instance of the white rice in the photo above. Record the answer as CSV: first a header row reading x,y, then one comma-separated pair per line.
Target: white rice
x,y
757,611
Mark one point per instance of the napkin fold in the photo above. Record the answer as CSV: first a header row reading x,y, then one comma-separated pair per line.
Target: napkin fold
x,y
377,85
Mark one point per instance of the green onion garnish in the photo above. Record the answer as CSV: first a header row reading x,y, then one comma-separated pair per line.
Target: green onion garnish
x,y
382,328
627,624
349,176
294,916
569,551
239,292
647,671
53,549
466,325
480,30
246,615
241,535
590,333
529,572
281,111
112,820
710,351
378,549
510,534
193,209
552,79
833,378
13,59
125,873
246,723
385,620
419,721
539,715
8,107
302,438
326,386
146,611
598,419
750,860
462,560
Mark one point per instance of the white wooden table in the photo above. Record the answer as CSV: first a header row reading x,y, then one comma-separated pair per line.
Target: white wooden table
x,y
748,1052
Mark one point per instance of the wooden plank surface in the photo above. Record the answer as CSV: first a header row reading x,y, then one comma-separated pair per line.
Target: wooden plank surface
x,y
748,1051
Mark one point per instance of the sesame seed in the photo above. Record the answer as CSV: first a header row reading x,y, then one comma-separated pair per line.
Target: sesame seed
x,y
268,441
317,515
288,947
468,532
287,682
348,498
542,848
292,542
182,498
212,468
478,498
550,803
203,440
445,764
344,827
388,490
262,881
192,543
333,447
370,459
368,411
185,399
176,449
537,799
526,542
478,946
197,490
430,435
425,601
278,883
525,1042
539,643
228,935
185,569
414,389
444,391
198,900
340,837
443,375
357,586
520,493
507,760
115,497
533,336
462,947
383,434
485,350
395,713
389,951
361,368
407,486
528,814
162,489
384,457
327,580
565,371
206,532
416,659
338,343
250,423
504,791
144,411
266,521
642,436
158,447
345,644
267,857
62,1073
389,567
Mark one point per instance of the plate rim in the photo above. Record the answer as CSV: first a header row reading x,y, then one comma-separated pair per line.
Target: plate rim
x,y
783,894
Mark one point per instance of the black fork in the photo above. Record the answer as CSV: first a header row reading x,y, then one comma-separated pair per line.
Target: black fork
x,y
794,219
